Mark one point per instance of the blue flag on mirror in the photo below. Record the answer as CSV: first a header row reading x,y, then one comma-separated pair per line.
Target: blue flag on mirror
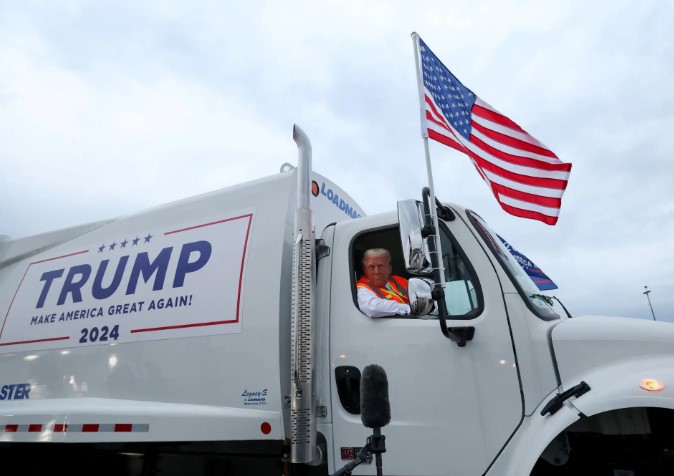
x,y
539,278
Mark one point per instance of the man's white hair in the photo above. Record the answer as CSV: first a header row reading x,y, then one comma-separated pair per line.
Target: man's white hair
x,y
376,252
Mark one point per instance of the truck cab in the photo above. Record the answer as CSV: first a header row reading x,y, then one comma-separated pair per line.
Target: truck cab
x,y
505,400
440,392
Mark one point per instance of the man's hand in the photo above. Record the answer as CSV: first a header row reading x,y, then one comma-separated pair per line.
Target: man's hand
x,y
418,306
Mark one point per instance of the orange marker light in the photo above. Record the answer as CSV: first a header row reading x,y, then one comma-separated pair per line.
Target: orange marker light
x,y
652,384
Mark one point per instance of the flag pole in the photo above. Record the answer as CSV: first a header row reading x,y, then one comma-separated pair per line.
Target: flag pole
x,y
429,172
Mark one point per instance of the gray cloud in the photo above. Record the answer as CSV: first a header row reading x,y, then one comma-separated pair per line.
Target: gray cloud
x,y
112,107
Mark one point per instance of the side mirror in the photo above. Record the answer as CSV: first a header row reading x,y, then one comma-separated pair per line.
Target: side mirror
x,y
419,291
414,245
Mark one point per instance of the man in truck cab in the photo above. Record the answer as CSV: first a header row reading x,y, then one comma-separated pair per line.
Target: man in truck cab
x,y
379,292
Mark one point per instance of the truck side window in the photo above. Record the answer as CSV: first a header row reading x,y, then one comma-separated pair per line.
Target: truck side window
x,y
462,291
395,292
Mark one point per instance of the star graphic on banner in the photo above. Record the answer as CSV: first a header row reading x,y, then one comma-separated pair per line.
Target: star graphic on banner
x,y
122,244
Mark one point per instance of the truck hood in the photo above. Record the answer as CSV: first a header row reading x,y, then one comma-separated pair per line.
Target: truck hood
x,y
585,344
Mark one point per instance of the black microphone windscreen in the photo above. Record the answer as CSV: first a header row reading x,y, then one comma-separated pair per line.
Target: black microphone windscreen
x,y
375,410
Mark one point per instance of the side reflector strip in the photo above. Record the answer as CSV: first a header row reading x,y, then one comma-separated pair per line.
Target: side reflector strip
x,y
75,428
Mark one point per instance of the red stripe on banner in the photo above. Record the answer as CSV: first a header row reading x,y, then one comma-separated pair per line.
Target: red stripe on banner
x,y
431,118
60,427
11,428
549,202
90,427
518,212
249,215
50,339
439,114
436,136
524,179
123,427
34,428
495,117
517,160
515,143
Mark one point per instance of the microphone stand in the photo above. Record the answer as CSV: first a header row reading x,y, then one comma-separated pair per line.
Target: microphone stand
x,y
376,444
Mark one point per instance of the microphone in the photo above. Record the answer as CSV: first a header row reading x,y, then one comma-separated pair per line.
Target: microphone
x,y
375,410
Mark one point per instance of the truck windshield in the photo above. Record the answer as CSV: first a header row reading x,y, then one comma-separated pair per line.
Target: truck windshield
x,y
540,304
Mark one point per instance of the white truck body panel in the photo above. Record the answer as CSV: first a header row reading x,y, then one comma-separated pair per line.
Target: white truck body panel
x,y
614,355
532,341
106,323
590,342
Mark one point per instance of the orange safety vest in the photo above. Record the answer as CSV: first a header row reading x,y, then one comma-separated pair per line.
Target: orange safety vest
x,y
398,291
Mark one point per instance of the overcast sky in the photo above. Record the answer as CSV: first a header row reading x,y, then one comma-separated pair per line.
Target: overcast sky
x,y
111,107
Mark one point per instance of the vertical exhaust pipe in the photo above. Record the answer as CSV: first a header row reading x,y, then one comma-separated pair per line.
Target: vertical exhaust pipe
x,y
302,408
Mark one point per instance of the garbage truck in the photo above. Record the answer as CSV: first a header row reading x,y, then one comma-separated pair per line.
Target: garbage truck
x,y
220,334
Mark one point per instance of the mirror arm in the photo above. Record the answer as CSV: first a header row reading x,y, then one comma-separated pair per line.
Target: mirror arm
x,y
444,211
460,335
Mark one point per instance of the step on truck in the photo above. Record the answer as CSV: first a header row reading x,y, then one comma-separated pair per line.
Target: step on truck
x,y
221,335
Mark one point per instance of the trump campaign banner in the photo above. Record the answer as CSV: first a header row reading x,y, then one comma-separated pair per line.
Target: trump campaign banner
x,y
184,279
540,279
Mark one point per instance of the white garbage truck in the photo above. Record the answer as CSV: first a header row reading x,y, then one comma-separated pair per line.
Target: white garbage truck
x,y
221,335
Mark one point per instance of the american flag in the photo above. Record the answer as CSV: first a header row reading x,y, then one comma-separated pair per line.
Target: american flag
x,y
527,179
